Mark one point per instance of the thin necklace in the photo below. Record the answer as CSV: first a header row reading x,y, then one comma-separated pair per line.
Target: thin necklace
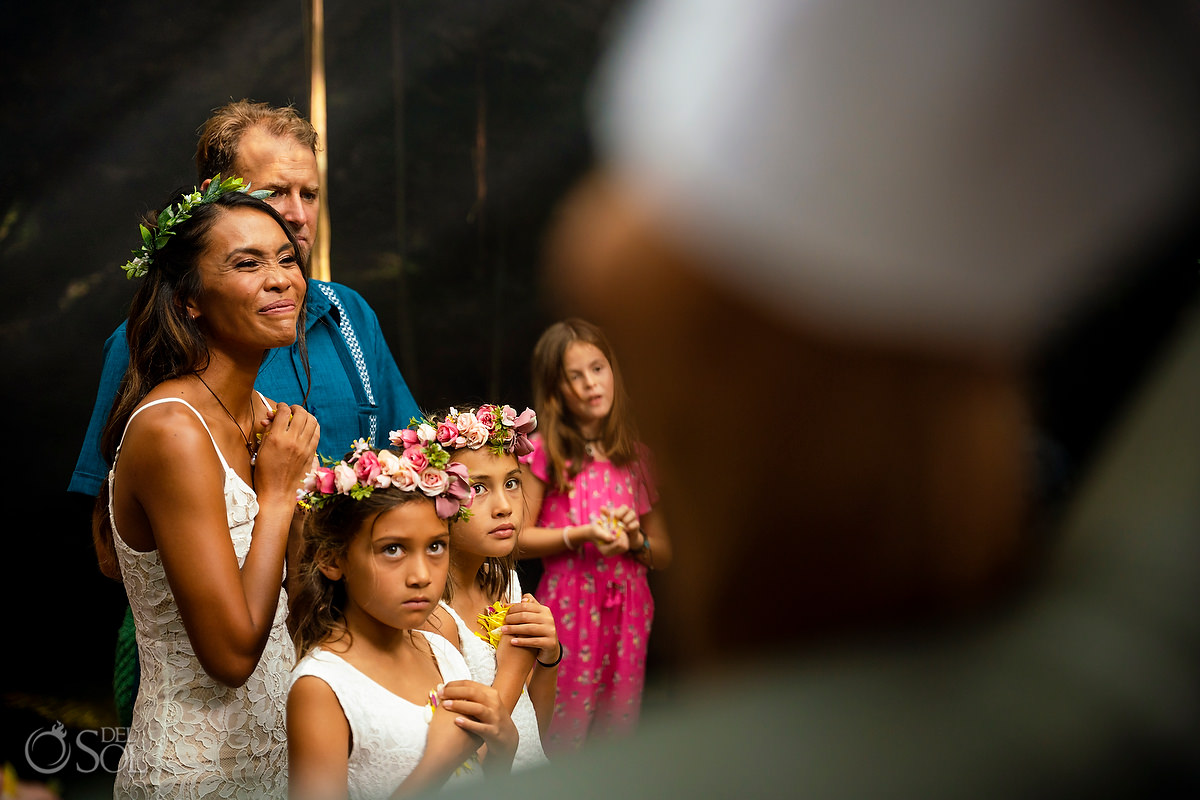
x,y
251,449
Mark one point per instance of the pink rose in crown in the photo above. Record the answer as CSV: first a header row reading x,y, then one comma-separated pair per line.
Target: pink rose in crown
x,y
311,477
508,416
486,416
389,462
459,482
326,483
433,481
523,445
416,458
344,478
446,433
405,478
464,422
446,507
367,467
526,422
474,436
403,438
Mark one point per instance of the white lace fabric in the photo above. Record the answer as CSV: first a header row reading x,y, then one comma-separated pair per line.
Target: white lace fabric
x,y
191,736
481,660
388,732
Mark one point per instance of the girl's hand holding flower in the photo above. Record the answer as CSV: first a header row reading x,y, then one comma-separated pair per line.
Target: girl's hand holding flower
x,y
575,536
637,540
618,545
613,521
627,519
531,624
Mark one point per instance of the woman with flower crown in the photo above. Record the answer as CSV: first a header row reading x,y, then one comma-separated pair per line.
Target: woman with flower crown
x,y
507,638
598,532
196,511
377,707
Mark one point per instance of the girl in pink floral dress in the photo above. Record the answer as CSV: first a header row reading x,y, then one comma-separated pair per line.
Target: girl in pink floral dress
x,y
598,533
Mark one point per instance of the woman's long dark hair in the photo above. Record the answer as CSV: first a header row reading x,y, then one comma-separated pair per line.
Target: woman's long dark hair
x,y
164,342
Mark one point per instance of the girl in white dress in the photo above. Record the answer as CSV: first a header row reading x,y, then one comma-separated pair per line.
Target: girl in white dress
x,y
195,514
487,441
378,708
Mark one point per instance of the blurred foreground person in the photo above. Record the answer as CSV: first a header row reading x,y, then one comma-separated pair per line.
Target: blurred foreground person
x,y
849,225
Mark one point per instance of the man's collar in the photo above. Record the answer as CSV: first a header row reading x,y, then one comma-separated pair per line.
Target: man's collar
x,y
318,304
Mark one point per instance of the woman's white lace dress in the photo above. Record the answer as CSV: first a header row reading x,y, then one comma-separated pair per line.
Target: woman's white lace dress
x,y
192,736
481,659
387,732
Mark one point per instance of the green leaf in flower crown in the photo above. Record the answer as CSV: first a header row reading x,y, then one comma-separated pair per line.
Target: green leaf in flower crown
x,y
261,194
210,191
147,238
438,457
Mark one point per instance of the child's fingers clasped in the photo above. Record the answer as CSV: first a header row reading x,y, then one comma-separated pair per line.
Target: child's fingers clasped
x,y
627,517
478,709
531,624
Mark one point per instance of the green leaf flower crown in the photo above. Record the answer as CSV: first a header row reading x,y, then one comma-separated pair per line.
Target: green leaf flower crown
x,y
179,212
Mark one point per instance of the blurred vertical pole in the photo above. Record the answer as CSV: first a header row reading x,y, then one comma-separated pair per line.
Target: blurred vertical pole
x,y
314,29
405,343
480,157
501,348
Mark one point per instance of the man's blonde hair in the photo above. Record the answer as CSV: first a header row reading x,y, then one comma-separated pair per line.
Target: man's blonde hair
x,y
221,134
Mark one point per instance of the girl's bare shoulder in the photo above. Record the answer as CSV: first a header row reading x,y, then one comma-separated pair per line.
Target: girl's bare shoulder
x,y
440,623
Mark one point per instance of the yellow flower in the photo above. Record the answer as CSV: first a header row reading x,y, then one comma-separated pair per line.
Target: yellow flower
x,y
607,519
491,620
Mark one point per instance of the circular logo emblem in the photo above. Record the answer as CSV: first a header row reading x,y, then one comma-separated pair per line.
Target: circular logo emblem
x,y
56,746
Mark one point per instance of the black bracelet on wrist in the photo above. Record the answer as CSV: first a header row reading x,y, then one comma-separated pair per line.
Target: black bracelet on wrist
x,y
553,663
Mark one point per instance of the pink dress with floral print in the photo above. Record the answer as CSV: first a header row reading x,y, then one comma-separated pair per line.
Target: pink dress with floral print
x,y
602,606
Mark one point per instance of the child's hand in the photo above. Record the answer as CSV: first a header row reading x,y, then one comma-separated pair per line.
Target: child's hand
x,y
478,710
447,745
597,534
619,545
627,518
635,537
531,624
